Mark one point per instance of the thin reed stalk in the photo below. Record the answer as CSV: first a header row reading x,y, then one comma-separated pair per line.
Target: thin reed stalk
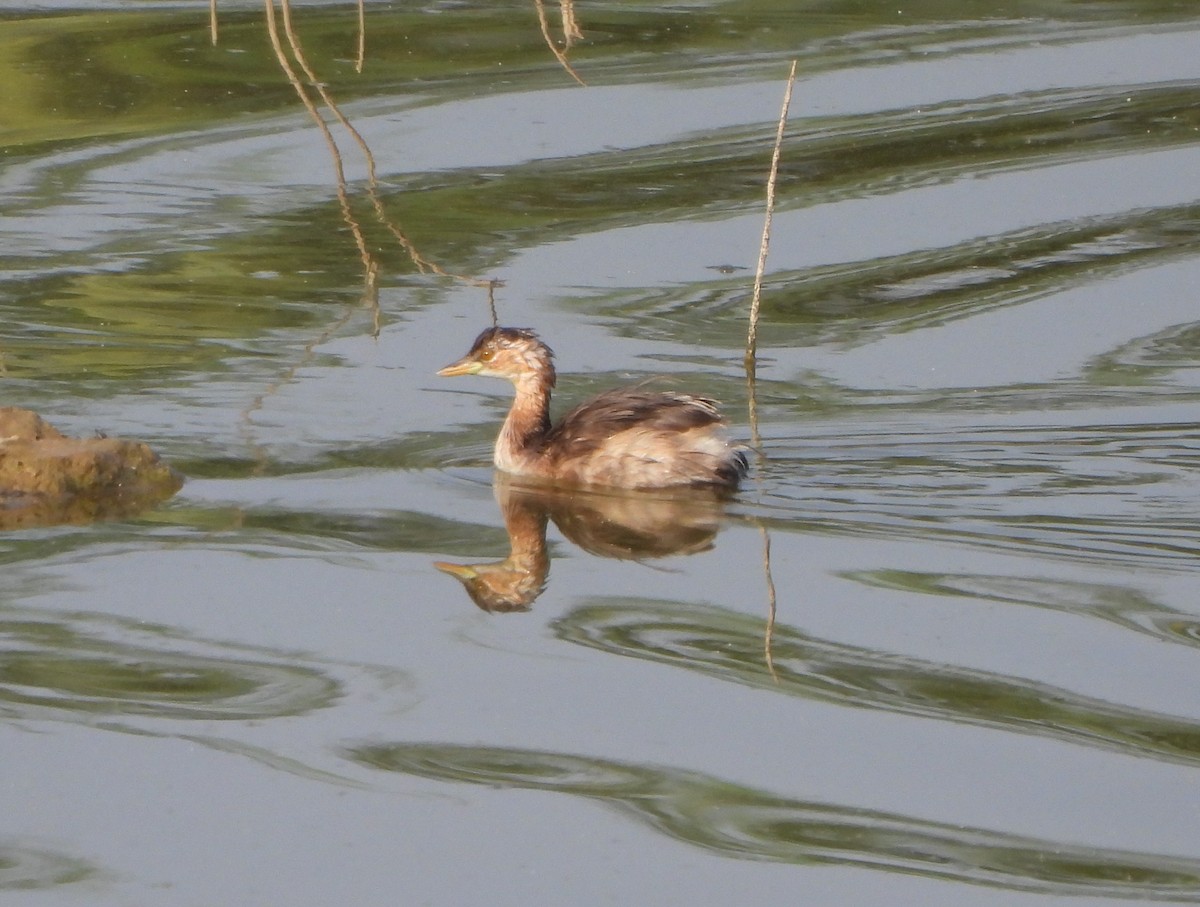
x,y
751,361
370,266
751,358
361,58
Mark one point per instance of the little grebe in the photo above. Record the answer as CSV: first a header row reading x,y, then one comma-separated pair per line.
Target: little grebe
x,y
628,437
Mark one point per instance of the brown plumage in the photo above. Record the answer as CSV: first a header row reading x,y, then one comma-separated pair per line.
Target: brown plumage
x,y
628,437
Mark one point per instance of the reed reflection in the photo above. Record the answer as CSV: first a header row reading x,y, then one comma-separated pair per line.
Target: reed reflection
x,y
609,523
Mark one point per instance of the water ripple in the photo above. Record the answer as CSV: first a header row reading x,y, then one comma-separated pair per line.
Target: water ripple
x,y
744,823
1107,492
1122,605
730,646
27,868
51,670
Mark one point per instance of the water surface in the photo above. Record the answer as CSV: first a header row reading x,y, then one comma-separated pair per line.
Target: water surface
x,y
978,492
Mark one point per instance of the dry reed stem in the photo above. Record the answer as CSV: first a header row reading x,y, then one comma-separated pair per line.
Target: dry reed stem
x,y
769,633
302,60
422,263
751,359
370,267
570,33
751,362
371,284
361,59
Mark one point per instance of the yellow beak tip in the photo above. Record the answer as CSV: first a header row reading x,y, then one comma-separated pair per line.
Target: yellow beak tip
x,y
458,368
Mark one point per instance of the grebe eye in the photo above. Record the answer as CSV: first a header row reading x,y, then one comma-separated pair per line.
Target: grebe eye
x,y
487,355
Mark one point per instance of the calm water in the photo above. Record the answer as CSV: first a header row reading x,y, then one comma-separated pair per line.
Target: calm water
x,y
978,386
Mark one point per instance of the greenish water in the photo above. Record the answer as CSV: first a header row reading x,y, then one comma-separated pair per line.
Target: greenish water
x,y
978,379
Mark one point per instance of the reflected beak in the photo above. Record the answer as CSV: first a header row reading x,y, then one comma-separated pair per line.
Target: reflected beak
x,y
463,572
465,366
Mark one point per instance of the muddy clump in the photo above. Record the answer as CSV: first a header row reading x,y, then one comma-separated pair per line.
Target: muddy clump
x,y
48,478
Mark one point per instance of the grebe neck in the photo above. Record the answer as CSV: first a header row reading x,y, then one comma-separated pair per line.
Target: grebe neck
x,y
527,423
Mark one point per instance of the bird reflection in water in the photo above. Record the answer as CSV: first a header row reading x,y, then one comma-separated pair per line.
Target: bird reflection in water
x,y
671,447
606,523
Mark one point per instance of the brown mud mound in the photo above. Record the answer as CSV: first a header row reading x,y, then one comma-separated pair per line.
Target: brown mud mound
x,y
48,478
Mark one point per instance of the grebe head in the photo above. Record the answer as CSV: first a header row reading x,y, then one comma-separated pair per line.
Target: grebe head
x,y
513,353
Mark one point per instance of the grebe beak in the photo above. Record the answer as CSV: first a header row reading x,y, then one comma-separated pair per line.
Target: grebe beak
x,y
464,366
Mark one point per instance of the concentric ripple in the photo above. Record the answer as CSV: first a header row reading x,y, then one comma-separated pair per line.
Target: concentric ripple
x,y
48,668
